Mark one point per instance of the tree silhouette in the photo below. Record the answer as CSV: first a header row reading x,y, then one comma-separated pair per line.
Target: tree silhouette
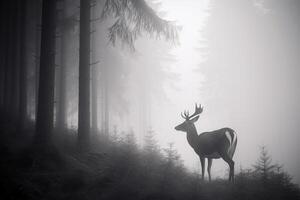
x,y
263,166
84,76
150,144
23,68
44,119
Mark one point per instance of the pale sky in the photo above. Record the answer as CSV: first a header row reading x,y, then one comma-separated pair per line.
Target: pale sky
x,y
247,101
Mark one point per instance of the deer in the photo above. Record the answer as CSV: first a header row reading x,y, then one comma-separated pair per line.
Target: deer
x,y
215,144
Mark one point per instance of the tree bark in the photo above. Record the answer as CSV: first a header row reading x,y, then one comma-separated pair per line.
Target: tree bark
x,y
94,82
23,68
3,39
15,61
8,58
106,106
84,77
38,14
61,109
44,121
94,99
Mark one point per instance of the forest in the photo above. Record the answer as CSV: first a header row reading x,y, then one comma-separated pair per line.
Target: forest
x,y
70,75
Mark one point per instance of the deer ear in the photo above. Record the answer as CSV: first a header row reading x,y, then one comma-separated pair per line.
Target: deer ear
x,y
195,119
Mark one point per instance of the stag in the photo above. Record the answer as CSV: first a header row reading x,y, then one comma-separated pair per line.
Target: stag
x,y
216,144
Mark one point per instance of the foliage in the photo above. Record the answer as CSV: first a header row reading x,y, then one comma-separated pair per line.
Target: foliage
x,y
263,166
132,18
150,144
117,168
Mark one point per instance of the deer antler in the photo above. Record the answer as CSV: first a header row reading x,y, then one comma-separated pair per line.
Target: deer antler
x,y
185,115
198,110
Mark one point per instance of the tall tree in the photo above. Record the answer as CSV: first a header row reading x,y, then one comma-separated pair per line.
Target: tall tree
x,y
8,58
84,76
95,74
131,13
38,14
61,109
106,101
3,18
23,68
44,120
15,60
94,98
133,18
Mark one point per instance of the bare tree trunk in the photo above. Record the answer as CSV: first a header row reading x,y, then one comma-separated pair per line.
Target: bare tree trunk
x,y
61,111
37,53
14,103
94,99
102,100
44,121
3,40
23,68
8,58
84,77
106,106
94,83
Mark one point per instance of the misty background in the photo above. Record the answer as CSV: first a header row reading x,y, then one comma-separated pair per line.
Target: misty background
x,y
91,92
239,59
242,64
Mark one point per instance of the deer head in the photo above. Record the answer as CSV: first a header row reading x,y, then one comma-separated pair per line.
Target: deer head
x,y
188,124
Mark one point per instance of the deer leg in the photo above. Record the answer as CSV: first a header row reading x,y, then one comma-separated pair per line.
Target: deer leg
x,y
202,160
209,167
230,162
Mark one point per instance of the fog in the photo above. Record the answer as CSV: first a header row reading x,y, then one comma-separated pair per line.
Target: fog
x,y
193,99
239,59
148,62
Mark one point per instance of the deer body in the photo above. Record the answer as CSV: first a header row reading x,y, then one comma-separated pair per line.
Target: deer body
x,y
216,144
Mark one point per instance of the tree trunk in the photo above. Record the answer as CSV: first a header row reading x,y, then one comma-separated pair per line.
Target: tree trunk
x,y
94,83
8,58
102,99
104,90
84,77
61,109
44,121
3,8
14,102
37,53
23,68
106,107
94,99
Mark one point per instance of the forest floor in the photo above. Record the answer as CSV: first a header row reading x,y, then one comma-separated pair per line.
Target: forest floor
x,y
114,169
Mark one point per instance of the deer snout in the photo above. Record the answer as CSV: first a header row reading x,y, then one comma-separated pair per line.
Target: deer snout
x,y
179,127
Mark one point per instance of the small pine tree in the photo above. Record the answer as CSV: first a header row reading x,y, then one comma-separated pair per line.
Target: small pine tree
x,y
263,166
150,144
115,133
172,155
130,140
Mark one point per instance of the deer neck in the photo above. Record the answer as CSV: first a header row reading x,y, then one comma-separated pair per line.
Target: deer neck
x,y
192,136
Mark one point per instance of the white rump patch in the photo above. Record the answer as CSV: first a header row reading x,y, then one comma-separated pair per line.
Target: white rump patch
x,y
232,146
234,137
228,137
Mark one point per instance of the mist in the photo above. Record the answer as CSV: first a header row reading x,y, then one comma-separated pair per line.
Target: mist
x,y
91,93
243,68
